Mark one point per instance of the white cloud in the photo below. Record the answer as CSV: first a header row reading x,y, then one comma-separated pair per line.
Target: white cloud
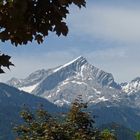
x,y
107,23
122,62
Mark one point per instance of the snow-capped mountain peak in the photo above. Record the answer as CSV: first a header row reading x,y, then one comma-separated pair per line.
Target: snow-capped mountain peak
x,y
133,86
64,83
31,82
14,82
78,62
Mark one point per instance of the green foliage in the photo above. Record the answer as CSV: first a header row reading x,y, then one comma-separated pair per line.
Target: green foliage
x,y
107,135
137,135
81,122
77,125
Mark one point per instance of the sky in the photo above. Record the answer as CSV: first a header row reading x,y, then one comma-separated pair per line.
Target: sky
x,y
106,33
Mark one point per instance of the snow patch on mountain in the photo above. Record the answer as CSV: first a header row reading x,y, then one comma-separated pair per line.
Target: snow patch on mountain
x,y
28,89
133,86
103,99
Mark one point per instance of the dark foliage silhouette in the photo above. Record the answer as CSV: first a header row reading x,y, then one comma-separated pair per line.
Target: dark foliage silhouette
x,y
22,21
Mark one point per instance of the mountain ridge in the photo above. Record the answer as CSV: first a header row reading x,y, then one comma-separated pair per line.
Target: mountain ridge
x,y
63,84
55,84
77,72
12,102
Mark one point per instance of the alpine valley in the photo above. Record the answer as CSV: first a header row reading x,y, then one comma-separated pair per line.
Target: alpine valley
x,y
111,102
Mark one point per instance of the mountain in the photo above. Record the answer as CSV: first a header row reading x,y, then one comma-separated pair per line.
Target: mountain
x,y
131,87
74,78
29,83
106,97
126,116
11,103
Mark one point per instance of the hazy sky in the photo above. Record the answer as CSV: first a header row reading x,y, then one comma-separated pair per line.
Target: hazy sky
x,y
106,32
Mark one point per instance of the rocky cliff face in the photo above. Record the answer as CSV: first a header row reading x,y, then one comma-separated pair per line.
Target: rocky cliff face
x,y
63,84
